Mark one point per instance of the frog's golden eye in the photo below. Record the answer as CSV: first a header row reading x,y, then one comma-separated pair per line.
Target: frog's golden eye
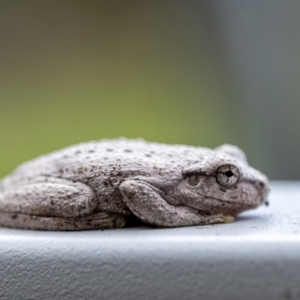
x,y
227,175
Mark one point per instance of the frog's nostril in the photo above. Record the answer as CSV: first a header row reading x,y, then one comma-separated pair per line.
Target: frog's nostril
x,y
261,184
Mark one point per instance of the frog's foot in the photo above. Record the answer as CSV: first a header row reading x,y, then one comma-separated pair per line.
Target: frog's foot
x,y
49,197
101,220
150,207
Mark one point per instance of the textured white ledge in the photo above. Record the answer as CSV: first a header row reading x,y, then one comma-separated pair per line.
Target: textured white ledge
x,y
257,257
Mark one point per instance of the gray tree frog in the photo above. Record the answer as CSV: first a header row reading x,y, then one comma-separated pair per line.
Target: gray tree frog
x,y
102,184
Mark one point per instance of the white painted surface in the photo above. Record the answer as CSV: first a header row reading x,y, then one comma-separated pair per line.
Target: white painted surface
x,y
257,257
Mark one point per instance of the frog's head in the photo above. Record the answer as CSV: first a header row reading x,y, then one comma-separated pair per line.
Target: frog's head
x,y
223,183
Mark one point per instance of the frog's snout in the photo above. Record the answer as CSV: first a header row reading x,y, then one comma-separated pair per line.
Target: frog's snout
x,y
264,190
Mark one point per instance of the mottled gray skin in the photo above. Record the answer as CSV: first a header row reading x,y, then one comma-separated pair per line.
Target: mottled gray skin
x,y
101,184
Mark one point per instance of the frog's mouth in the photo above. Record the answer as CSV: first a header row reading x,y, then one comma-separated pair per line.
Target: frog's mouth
x,y
216,205
209,194
224,206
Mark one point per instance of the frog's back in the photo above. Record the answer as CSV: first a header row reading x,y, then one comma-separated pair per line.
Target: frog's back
x,y
81,160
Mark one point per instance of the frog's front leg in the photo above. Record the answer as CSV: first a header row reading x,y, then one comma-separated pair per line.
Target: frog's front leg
x,y
150,207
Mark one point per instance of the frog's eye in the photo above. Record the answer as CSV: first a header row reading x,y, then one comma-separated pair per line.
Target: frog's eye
x,y
227,175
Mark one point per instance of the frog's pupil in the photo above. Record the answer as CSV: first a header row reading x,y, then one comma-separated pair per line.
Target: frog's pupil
x,y
229,174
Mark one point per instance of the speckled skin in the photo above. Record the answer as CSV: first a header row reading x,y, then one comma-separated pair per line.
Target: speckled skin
x,y
101,184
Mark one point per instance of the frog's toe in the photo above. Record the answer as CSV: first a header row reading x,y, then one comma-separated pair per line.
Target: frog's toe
x,y
101,220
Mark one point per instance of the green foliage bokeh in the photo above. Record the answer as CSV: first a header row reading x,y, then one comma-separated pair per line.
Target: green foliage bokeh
x,y
73,72
173,71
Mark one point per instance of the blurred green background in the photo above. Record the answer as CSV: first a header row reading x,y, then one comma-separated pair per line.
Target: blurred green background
x,y
193,72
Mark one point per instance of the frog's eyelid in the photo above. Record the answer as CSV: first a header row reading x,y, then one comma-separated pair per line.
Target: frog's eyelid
x,y
190,173
202,169
193,170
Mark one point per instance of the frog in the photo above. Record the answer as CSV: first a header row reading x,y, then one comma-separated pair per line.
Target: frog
x,y
105,184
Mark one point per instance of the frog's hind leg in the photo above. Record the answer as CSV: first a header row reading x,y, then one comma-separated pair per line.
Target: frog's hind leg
x,y
53,204
100,220
49,197
49,203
